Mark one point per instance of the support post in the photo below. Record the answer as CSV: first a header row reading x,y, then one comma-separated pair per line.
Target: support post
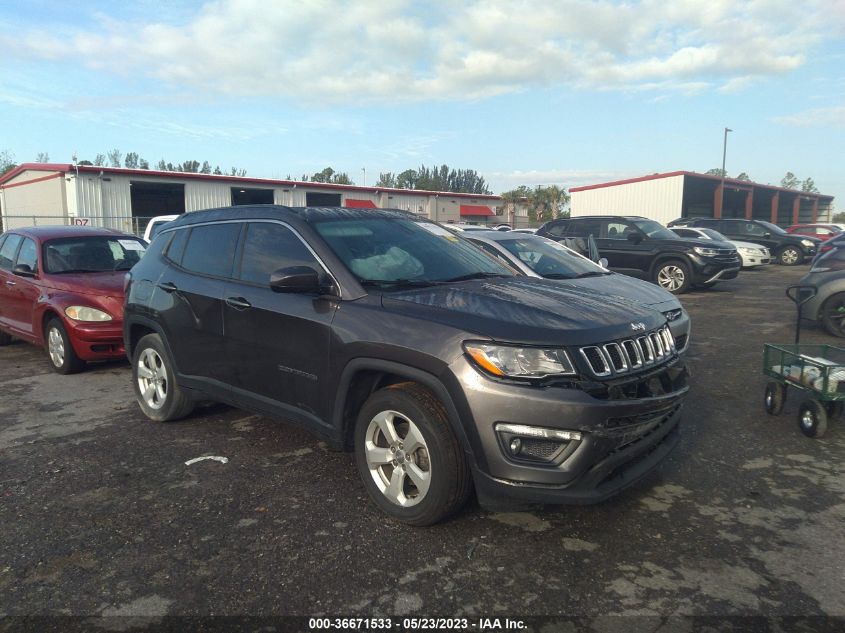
x,y
815,210
717,201
749,204
796,209
775,203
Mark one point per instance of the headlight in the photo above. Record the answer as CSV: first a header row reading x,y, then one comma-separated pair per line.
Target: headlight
x,y
506,361
748,251
83,313
808,243
708,252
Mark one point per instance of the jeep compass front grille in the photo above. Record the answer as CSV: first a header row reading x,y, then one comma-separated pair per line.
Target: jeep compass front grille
x,y
631,354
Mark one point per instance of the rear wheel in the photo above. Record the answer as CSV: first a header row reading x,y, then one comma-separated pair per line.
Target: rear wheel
x,y
812,419
790,256
63,358
154,379
774,397
833,314
673,276
411,463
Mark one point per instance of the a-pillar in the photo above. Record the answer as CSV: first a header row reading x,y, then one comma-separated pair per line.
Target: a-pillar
x,y
749,204
796,208
775,203
717,201
815,210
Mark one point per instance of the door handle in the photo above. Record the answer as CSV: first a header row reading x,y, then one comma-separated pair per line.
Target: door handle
x,y
239,303
167,287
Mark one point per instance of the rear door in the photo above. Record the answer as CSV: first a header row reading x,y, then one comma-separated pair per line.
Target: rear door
x,y
8,252
25,291
752,232
623,254
278,343
202,259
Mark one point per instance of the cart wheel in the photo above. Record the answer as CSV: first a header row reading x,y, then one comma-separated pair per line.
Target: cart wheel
x,y
833,408
812,418
774,398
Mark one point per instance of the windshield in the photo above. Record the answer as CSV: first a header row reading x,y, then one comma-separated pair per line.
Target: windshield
x,y
549,259
773,228
714,235
392,252
91,254
654,230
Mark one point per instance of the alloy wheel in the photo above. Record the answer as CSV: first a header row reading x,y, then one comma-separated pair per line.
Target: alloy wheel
x,y
789,256
152,379
670,277
56,347
398,459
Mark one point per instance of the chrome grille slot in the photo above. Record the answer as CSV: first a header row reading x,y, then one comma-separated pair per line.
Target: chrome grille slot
x,y
596,360
632,351
647,349
617,359
657,342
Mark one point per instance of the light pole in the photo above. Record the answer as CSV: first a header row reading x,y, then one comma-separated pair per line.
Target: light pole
x,y
724,155
364,179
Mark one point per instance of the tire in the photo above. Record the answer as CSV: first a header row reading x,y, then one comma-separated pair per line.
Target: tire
x,y
154,380
812,418
412,465
774,397
833,314
790,256
60,352
673,275
5,339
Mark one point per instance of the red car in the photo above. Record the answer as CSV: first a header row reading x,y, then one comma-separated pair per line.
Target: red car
x,y
62,287
822,231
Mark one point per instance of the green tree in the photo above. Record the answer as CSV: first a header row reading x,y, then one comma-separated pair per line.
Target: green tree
x,y
237,172
386,179
717,171
100,160
131,160
7,161
547,203
809,186
43,157
206,168
744,176
114,157
790,181
143,164
331,176
189,166
839,217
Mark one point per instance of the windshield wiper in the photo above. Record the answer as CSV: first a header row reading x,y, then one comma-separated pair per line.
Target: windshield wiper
x,y
412,283
592,273
559,276
76,270
478,275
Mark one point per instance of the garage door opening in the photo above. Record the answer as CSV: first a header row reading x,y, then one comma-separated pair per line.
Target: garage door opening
x,y
150,199
322,199
242,196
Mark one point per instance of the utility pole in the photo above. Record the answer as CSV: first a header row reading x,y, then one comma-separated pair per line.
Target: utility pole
x,y
724,155
364,179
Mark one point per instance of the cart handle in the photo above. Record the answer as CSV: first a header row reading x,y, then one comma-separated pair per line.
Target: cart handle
x,y
801,294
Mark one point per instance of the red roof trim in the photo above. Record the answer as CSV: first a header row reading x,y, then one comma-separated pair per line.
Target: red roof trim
x,y
476,209
68,168
29,182
353,203
692,174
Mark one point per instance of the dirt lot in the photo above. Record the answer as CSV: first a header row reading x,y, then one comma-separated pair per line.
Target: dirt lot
x,y
100,514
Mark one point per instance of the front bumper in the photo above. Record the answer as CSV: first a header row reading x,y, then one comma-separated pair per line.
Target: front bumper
x,y
708,270
96,341
621,439
750,261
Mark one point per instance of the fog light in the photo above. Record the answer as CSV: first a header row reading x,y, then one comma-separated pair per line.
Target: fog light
x,y
516,444
536,444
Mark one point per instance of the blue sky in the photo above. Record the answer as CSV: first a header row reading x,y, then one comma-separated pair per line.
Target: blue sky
x,y
529,92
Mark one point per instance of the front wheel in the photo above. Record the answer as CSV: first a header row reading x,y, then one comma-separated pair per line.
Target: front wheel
x,y
790,256
812,418
673,276
833,315
63,358
774,397
154,379
411,463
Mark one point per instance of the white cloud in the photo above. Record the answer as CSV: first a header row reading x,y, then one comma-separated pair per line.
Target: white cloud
x,y
833,116
505,181
392,51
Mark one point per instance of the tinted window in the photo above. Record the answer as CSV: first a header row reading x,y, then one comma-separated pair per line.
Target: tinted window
x,y
93,254
211,249
617,230
8,250
557,229
268,247
584,228
750,228
686,233
714,224
177,245
490,250
550,259
28,254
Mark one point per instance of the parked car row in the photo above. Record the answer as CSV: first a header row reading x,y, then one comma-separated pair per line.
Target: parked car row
x,y
442,368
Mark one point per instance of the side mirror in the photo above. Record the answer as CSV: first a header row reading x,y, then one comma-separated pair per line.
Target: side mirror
x,y
299,279
636,238
23,270
602,262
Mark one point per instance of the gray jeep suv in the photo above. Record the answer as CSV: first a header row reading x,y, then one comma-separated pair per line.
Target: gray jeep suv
x,y
388,335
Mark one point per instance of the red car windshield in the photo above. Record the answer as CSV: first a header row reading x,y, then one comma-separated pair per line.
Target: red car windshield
x,y
91,254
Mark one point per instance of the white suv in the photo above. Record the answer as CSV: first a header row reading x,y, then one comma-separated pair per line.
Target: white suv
x,y
752,255
155,226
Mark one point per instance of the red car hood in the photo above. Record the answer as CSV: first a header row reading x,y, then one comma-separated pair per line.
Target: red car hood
x,y
105,289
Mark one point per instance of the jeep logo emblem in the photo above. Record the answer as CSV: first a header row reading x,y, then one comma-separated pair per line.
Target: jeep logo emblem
x,y
638,326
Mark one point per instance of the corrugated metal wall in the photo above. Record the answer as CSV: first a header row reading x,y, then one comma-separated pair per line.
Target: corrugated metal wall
x,y
206,195
660,199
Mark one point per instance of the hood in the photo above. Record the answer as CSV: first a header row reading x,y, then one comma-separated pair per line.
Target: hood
x,y
739,244
527,310
624,288
109,284
697,241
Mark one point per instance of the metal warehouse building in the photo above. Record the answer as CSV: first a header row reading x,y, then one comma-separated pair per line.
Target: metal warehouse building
x,y
42,193
677,194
